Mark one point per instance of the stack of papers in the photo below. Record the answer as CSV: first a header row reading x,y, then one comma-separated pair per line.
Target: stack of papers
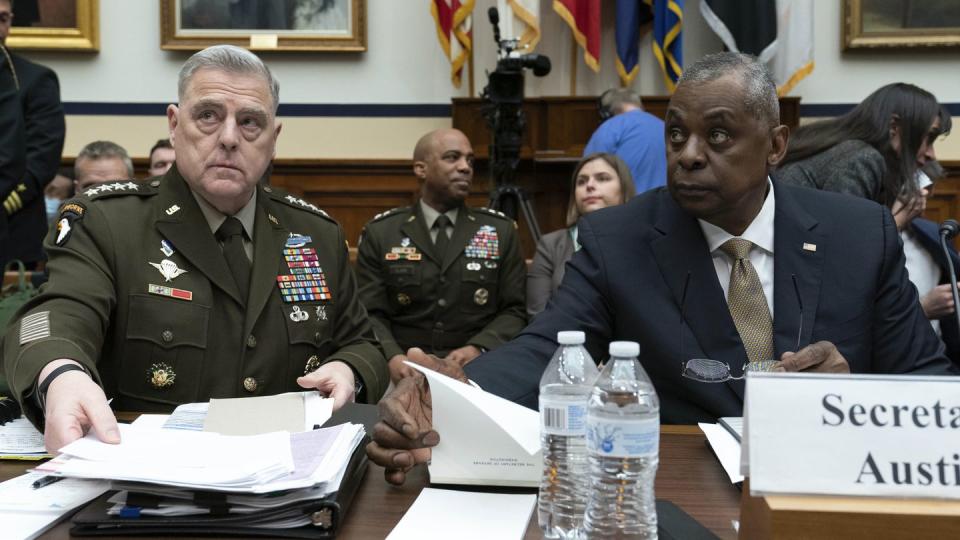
x,y
20,440
724,439
26,512
441,514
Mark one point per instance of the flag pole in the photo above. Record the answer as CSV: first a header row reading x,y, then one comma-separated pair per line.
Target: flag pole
x,y
470,72
573,65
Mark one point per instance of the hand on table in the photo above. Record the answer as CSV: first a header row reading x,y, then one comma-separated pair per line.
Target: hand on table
x,y
333,379
74,405
404,435
819,357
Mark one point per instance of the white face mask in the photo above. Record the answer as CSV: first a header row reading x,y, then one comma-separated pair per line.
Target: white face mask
x,y
52,206
923,181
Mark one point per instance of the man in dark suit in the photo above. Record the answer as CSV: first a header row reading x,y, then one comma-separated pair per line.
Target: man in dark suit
x,y
12,157
44,131
654,270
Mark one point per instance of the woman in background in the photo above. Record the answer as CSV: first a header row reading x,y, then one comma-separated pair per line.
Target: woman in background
x,y
599,180
874,151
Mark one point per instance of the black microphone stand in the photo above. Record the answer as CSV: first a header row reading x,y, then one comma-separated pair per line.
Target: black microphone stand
x,y
949,229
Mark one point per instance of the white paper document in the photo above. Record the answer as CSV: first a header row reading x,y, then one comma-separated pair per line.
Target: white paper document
x,y
26,512
18,438
442,514
726,447
294,412
484,439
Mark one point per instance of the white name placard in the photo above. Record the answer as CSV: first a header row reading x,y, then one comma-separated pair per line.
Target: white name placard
x,y
878,435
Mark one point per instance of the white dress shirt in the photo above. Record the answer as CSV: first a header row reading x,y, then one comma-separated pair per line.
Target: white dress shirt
x,y
760,232
924,272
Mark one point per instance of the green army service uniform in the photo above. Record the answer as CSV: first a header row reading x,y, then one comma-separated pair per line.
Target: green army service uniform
x,y
473,296
140,294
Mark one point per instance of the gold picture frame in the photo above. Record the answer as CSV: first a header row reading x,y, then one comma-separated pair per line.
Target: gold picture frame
x,y
83,35
281,25
902,24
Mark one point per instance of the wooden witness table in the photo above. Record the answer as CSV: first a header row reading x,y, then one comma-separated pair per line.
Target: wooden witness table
x,y
689,476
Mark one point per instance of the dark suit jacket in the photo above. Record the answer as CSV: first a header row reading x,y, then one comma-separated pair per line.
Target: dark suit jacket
x,y
928,235
627,281
45,130
546,271
12,154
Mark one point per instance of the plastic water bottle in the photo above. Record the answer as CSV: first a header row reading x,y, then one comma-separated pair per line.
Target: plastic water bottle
x,y
564,390
623,443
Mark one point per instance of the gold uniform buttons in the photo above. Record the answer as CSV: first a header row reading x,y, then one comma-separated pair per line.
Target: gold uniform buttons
x,y
442,302
250,384
403,299
166,336
251,341
313,364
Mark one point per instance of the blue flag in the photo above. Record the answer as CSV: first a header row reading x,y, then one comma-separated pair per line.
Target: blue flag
x,y
631,16
631,19
667,42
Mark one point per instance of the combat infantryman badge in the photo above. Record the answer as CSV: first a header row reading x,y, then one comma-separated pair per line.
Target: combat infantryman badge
x,y
161,375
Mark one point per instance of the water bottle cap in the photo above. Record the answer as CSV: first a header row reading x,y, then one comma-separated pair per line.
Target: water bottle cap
x,y
624,349
571,337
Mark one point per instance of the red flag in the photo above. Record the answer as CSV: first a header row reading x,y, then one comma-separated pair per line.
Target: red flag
x,y
455,32
583,16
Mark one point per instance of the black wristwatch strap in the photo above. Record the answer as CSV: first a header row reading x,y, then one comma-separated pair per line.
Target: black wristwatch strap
x,y
42,389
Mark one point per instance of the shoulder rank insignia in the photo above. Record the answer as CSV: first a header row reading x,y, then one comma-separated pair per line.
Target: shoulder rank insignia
x,y
112,187
493,212
297,202
389,212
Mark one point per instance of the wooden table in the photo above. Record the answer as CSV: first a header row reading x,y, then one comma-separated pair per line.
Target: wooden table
x,y
689,476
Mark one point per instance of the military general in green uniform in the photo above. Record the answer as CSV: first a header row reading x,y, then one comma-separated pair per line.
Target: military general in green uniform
x,y
197,285
439,275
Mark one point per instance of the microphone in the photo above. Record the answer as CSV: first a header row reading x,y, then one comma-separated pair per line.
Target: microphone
x,y
494,15
948,229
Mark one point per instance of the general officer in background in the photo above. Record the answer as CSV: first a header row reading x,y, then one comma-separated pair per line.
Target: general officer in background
x,y
439,275
44,131
199,285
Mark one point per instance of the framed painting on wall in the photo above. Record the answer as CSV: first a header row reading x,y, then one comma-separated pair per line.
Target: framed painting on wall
x,y
55,25
871,24
281,25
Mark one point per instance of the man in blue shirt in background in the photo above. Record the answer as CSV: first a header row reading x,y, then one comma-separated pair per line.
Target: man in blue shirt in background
x,y
634,135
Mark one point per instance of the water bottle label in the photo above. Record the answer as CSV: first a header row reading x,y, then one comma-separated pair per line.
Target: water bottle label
x,y
624,438
562,417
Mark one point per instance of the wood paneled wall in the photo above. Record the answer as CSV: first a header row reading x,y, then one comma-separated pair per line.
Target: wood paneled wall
x,y
353,191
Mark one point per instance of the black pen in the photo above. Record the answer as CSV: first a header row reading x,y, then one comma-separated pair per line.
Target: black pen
x,y
46,481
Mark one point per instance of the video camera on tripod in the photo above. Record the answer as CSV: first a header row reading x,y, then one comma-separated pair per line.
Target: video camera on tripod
x,y
503,112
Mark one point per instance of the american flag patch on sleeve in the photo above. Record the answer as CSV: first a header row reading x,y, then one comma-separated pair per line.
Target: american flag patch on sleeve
x,y
35,326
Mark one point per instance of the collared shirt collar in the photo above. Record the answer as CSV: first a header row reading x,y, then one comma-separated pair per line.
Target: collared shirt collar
x,y
247,215
430,215
760,230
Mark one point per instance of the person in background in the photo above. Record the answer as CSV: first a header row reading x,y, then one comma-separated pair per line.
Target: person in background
x,y
439,275
874,151
599,180
12,152
99,162
162,157
44,132
58,190
927,265
634,135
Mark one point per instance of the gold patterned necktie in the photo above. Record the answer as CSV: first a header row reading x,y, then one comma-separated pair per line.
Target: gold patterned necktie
x,y
748,304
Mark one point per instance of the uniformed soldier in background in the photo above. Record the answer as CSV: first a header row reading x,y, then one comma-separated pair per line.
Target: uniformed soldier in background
x,y
199,285
439,275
